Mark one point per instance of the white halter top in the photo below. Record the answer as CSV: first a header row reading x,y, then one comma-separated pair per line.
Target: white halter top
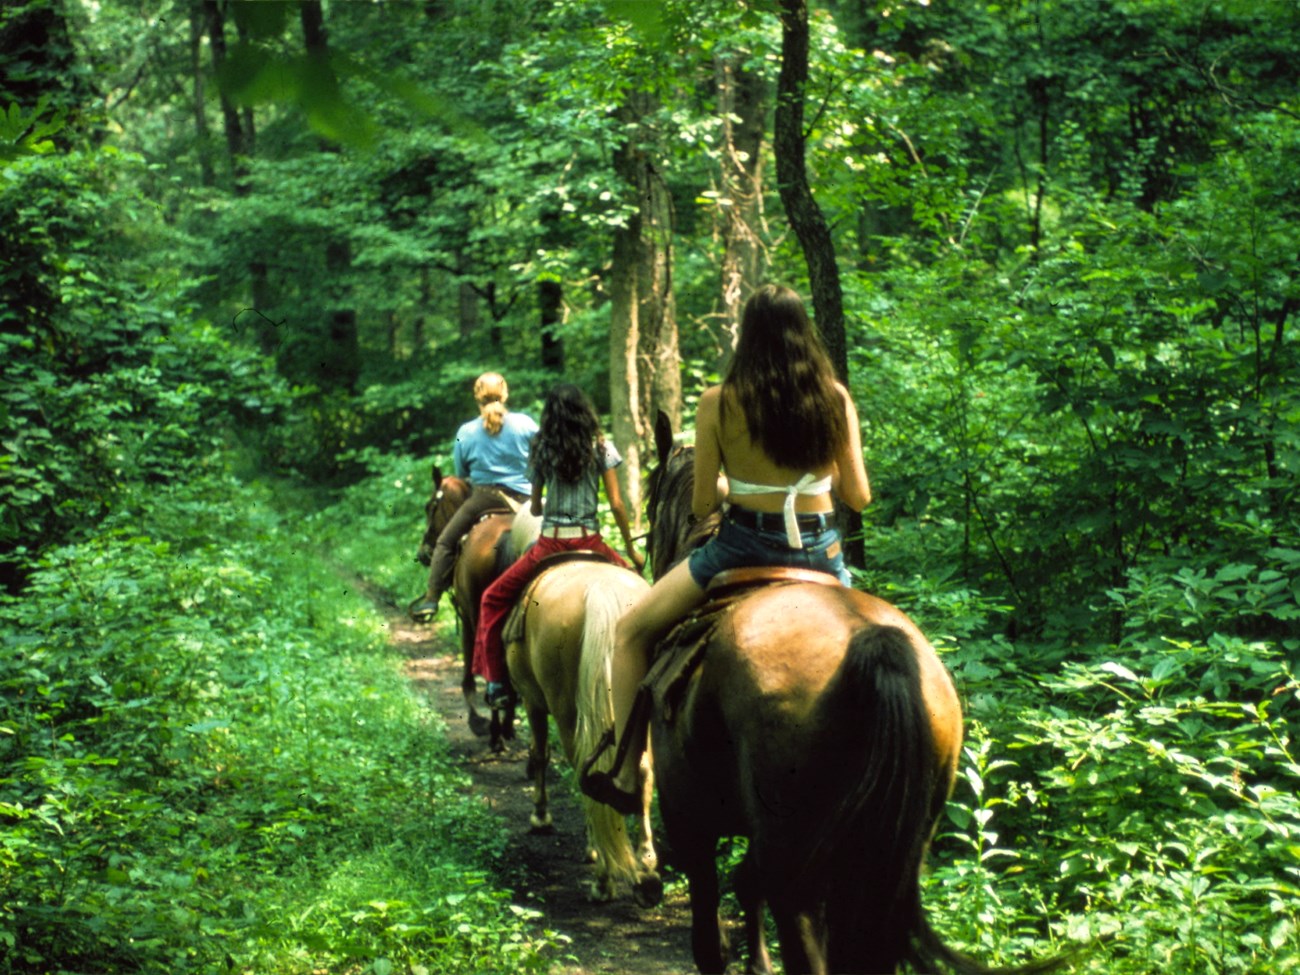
x,y
807,485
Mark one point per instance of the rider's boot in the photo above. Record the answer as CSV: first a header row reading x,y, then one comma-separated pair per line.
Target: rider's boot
x,y
424,608
603,786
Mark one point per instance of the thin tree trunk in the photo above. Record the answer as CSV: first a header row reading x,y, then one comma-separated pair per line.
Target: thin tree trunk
x,y
236,143
238,133
741,100
550,303
340,360
202,132
807,220
645,364
627,423
550,299
806,217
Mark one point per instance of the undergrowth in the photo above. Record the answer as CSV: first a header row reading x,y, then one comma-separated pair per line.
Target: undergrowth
x,y
209,762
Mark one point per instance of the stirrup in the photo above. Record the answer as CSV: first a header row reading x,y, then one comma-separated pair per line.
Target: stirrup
x,y
600,787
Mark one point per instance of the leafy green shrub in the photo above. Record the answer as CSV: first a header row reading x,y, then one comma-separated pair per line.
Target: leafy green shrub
x,y
208,759
1145,794
109,379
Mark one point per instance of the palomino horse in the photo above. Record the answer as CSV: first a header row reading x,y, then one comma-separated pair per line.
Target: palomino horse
x,y
820,725
478,562
560,652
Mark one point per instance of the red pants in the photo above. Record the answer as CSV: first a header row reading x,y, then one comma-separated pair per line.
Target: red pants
x,y
500,597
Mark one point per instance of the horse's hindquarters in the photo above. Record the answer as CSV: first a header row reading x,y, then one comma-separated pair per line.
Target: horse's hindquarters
x,y
821,726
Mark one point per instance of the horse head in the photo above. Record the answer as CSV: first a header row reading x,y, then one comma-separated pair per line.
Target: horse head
x,y
448,494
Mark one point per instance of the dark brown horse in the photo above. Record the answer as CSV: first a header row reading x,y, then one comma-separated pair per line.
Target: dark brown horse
x,y
479,560
820,725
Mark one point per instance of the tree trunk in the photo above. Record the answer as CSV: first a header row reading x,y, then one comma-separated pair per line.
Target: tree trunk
x,y
807,220
239,140
741,98
550,303
202,133
628,426
550,296
236,142
339,364
805,216
660,357
645,364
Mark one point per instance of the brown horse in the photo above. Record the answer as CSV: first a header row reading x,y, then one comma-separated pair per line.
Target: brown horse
x,y
560,652
482,556
821,725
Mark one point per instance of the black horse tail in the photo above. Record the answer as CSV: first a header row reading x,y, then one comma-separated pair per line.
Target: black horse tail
x,y
875,840
881,761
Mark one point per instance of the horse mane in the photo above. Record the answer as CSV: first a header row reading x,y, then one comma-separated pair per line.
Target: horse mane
x,y
525,529
674,531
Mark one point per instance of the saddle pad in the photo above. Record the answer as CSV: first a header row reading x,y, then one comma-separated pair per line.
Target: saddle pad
x,y
678,654
681,651
513,631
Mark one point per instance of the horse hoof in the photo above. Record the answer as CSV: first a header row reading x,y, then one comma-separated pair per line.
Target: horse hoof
x,y
648,891
541,824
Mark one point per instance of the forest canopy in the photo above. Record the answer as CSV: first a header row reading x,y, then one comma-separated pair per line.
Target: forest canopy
x,y
245,242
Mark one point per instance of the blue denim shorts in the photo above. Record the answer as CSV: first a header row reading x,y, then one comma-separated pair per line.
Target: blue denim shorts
x,y
737,546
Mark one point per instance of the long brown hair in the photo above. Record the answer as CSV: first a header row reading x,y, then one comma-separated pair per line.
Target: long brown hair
x,y
491,393
783,382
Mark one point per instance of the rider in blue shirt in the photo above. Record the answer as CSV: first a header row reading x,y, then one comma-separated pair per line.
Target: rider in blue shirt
x,y
491,453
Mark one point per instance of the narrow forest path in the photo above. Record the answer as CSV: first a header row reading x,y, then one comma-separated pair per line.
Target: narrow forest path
x,y
617,938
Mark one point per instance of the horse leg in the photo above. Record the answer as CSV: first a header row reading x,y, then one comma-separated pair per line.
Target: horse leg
x,y
649,888
479,725
750,895
538,757
708,941
501,727
803,941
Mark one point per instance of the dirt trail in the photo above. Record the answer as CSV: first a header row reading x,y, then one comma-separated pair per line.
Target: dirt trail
x,y
616,938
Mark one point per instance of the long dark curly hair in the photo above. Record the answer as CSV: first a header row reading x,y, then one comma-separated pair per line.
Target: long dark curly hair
x,y
784,383
568,436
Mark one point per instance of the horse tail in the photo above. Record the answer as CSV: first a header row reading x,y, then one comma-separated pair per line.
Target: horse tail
x,y
877,836
606,829
872,843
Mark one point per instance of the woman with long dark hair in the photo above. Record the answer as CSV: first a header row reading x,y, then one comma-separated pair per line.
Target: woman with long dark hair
x,y
786,434
570,461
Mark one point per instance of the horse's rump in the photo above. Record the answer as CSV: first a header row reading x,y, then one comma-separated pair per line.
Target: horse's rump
x,y
818,725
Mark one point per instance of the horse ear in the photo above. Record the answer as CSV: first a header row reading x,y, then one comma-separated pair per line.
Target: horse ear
x,y
437,476
663,436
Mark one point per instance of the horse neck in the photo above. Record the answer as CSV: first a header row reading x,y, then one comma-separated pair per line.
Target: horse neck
x,y
674,533
449,495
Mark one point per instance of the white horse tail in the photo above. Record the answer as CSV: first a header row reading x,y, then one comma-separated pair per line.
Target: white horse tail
x,y
608,597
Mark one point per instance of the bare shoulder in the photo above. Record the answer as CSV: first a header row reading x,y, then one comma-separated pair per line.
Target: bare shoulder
x,y
849,406
709,399
709,409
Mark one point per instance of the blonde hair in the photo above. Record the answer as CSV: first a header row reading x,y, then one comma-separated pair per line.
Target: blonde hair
x,y
491,393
